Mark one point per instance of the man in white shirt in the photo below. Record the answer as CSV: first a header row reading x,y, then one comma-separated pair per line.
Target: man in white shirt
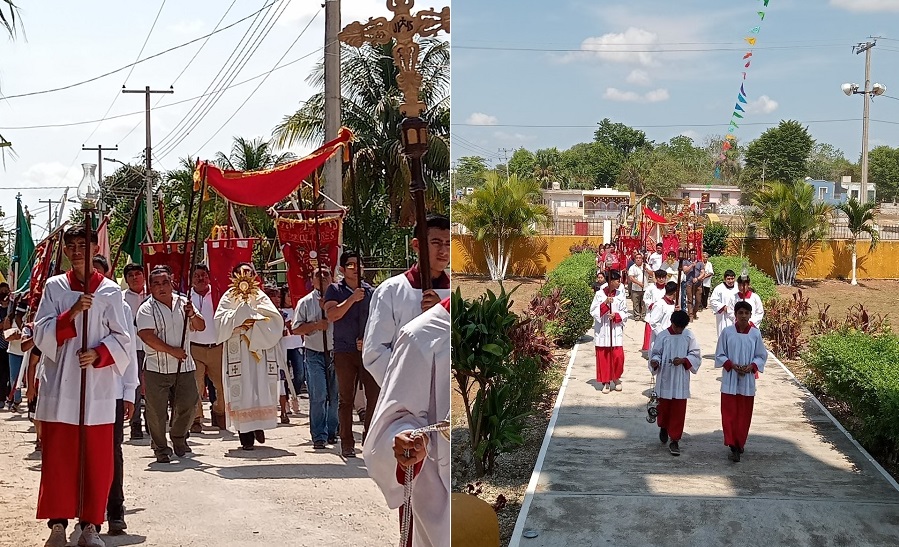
x,y
707,282
399,299
205,352
638,278
656,258
321,379
135,295
169,374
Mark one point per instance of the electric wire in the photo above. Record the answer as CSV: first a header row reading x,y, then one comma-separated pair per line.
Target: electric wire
x,y
259,84
249,49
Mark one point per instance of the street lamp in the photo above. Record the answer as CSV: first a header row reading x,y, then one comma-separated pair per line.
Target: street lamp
x,y
875,91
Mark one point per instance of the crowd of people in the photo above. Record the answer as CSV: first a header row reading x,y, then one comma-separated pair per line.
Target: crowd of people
x,y
148,356
666,294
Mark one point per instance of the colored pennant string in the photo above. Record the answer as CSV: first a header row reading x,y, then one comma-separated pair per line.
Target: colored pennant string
x,y
755,30
738,115
738,107
741,98
761,15
751,41
747,66
748,55
742,91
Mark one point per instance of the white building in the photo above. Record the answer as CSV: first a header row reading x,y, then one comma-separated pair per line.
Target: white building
x,y
709,198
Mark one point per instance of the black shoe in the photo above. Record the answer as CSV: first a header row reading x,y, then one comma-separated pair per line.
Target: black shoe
x,y
319,445
260,436
163,458
248,447
136,434
674,448
181,450
663,434
734,455
117,526
332,440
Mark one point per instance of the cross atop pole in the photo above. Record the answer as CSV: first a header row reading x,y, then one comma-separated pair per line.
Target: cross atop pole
x,y
403,28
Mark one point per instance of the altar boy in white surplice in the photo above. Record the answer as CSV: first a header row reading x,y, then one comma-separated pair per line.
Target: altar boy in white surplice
x,y
415,393
58,334
251,327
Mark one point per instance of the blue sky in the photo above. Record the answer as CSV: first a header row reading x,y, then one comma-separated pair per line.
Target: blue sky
x,y
72,41
802,56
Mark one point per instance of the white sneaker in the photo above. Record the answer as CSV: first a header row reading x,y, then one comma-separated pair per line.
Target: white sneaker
x,y
606,389
57,536
295,405
90,537
617,385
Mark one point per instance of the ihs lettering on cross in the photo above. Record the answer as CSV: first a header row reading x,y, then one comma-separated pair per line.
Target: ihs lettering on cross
x,y
403,28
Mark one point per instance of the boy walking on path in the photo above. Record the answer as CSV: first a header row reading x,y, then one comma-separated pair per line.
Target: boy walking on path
x,y
675,355
609,315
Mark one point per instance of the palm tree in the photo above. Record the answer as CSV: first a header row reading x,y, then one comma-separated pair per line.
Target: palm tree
x,y
498,213
370,108
10,24
251,155
794,222
547,165
861,220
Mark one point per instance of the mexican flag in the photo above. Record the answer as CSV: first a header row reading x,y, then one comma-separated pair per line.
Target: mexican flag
x,y
137,235
23,254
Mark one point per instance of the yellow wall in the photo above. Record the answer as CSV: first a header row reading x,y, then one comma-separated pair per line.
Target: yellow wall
x,y
536,256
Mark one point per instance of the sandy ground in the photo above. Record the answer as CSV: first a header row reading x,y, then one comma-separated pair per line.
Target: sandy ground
x,y
283,493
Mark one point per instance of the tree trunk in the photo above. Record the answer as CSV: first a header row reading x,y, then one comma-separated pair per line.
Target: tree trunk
x,y
854,258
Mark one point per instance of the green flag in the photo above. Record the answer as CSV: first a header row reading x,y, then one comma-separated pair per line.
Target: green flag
x,y
133,239
23,255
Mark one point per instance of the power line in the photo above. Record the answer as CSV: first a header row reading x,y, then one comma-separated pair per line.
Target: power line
x,y
593,48
188,123
136,112
111,72
260,83
593,126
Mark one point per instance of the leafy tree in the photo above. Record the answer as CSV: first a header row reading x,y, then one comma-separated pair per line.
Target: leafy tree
x,y
251,155
780,153
470,173
522,163
861,221
590,165
547,166
370,108
498,213
825,162
714,239
621,137
883,171
654,171
731,165
794,222
8,11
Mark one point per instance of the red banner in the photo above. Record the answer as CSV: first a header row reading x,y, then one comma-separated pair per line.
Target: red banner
x,y
171,255
268,187
43,257
301,250
223,255
627,245
653,216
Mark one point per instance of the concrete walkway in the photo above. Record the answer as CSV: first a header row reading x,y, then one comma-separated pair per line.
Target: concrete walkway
x,y
606,479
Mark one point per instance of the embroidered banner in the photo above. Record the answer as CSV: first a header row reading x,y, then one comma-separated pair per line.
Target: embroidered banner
x,y
299,247
43,258
268,187
223,255
172,255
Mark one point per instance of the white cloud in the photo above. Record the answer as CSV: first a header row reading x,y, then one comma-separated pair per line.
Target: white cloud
x,y
654,96
479,118
633,46
763,104
689,133
866,5
47,174
638,77
516,137
189,28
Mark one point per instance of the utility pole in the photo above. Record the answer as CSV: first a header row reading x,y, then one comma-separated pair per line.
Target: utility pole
x,y
100,149
866,48
333,170
148,150
505,155
49,203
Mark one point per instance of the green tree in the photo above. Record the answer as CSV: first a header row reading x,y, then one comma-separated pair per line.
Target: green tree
x,y
9,22
861,220
547,166
370,108
730,166
590,165
470,172
500,212
883,171
654,171
825,162
780,153
794,222
522,163
626,140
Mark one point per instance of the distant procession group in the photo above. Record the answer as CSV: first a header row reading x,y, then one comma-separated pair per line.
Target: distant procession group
x,y
672,349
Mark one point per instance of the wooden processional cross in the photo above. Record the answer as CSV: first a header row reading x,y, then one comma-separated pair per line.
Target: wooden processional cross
x,y
403,29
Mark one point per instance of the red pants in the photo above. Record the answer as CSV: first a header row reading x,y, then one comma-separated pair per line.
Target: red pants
x,y
58,497
647,334
672,414
736,415
609,364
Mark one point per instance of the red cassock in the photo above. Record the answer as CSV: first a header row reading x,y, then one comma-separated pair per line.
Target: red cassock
x,y
672,415
736,416
609,364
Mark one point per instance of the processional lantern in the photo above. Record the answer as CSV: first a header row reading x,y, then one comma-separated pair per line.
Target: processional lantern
x,y
90,196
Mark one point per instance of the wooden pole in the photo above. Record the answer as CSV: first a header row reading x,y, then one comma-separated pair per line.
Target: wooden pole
x,y
131,221
82,428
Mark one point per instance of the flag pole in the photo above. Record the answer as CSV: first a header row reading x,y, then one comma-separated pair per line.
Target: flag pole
x,y
87,207
131,221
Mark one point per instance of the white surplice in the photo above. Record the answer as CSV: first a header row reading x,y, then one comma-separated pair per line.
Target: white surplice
x,y
673,381
394,303
740,349
651,295
659,318
60,374
415,393
720,302
601,321
130,380
758,311
250,360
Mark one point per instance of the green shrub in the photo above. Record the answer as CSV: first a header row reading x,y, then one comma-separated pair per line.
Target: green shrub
x,y
862,371
574,276
761,283
714,239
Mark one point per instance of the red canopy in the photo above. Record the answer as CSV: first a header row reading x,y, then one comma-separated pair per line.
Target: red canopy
x,y
267,187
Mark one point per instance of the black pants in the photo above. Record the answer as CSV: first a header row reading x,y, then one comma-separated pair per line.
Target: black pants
x,y
115,507
705,296
136,424
247,439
